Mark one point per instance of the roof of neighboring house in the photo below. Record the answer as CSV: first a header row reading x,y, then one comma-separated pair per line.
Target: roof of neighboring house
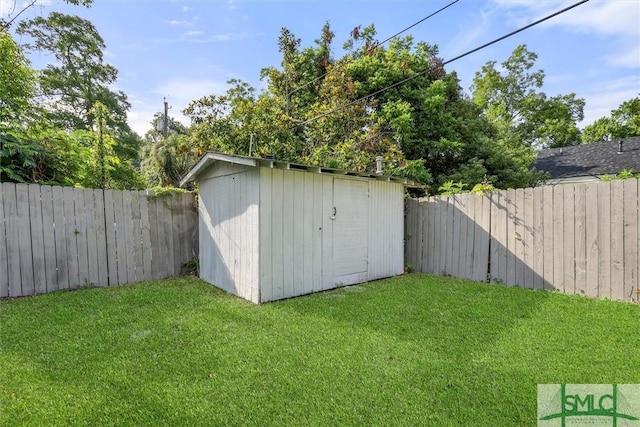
x,y
593,160
212,157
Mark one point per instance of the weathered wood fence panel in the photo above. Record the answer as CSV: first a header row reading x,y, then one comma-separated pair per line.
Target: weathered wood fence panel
x,y
54,238
575,238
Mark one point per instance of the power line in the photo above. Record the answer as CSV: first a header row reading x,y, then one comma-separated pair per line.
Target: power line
x,y
423,72
381,43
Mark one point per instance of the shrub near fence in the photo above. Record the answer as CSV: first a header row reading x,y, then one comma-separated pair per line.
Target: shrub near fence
x,y
575,238
54,238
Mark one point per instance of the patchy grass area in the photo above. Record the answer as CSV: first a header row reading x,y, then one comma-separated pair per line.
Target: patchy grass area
x,y
412,350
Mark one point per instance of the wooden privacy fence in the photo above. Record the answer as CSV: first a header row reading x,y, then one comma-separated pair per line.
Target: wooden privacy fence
x,y
55,238
575,238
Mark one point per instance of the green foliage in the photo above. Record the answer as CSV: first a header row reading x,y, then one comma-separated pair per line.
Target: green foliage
x,y
521,112
17,82
164,191
80,78
168,161
624,122
450,188
79,101
624,174
318,109
44,157
483,187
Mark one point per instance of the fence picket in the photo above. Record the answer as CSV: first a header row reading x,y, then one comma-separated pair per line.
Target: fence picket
x,y
101,248
49,239
13,240
580,238
527,239
631,238
465,259
128,237
82,236
24,242
4,265
69,230
90,240
110,236
569,245
538,238
146,237
37,241
558,237
136,231
591,239
518,238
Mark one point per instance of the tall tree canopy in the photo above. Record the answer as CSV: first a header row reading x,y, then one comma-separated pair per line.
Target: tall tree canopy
x,y
78,120
343,112
522,113
80,78
623,122
18,81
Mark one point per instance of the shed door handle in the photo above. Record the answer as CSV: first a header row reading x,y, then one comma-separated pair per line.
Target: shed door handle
x,y
335,211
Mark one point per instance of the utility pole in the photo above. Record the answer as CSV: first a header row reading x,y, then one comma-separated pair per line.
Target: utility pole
x,y
165,122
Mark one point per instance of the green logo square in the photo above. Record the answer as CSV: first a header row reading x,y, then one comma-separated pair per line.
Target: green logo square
x,y
565,405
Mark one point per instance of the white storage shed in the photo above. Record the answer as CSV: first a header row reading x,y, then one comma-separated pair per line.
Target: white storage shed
x,y
271,230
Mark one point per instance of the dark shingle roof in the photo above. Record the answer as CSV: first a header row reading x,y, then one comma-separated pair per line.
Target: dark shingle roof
x,y
594,159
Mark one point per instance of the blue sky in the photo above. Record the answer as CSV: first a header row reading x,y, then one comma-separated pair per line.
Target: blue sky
x,y
187,49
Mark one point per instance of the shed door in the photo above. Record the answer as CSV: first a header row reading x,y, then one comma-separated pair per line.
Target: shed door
x,y
350,225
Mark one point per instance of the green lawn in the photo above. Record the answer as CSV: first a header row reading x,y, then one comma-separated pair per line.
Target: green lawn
x,y
412,350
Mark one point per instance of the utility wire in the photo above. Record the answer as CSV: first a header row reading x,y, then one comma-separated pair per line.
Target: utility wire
x,y
423,72
381,43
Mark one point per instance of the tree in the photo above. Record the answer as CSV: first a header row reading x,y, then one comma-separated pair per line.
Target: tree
x,y
164,160
81,77
80,80
624,122
397,102
15,12
521,112
17,82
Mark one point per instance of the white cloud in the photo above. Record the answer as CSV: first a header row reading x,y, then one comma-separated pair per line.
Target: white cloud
x,y
193,33
469,31
626,58
179,93
177,22
607,18
201,37
609,96
182,91
139,118
10,8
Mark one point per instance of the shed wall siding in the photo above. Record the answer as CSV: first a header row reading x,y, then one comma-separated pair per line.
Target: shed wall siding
x,y
386,230
229,229
350,229
291,235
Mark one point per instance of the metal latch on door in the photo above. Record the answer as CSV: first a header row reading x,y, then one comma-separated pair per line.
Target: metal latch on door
x,y
335,211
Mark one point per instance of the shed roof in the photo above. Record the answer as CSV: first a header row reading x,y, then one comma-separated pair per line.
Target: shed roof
x,y
596,159
212,157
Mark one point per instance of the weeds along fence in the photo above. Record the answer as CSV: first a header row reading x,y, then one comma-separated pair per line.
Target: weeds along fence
x,y
575,238
54,238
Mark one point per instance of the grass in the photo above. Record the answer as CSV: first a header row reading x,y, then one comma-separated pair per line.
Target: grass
x,y
412,350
